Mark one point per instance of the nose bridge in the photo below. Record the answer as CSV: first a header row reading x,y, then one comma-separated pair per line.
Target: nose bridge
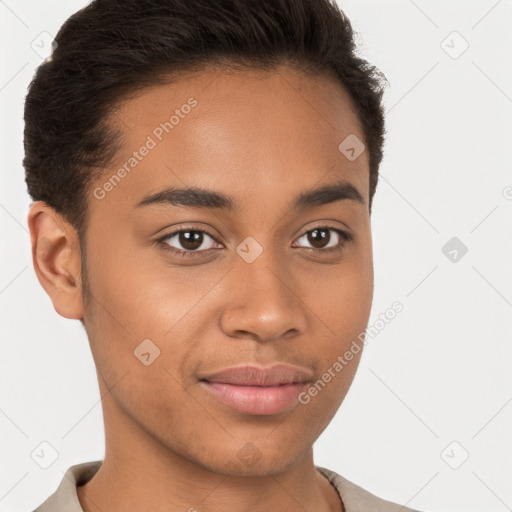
x,y
266,274
264,303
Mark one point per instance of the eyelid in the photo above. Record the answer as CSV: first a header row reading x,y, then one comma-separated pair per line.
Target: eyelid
x,y
325,225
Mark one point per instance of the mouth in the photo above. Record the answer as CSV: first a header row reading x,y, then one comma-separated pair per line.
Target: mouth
x,y
257,391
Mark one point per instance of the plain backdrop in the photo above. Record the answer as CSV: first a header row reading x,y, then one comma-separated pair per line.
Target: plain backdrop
x,y
428,418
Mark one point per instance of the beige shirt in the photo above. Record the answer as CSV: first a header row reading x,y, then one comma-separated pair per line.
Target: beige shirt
x,y
354,498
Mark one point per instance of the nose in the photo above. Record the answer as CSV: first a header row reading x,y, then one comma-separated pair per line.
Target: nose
x,y
264,301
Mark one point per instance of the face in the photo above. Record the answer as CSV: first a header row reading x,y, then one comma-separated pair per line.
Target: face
x,y
186,286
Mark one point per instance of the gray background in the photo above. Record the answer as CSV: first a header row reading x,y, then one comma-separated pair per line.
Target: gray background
x,y
434,386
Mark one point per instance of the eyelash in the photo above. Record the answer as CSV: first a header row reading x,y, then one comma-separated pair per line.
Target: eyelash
x,y
344,238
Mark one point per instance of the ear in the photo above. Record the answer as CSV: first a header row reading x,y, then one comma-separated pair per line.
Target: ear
x,y
56,259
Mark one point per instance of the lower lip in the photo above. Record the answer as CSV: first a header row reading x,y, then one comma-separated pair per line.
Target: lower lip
x,y
260,400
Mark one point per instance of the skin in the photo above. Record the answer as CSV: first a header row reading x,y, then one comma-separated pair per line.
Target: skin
x,y
261,137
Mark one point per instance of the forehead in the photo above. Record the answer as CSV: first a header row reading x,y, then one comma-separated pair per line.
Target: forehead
x,y
238,132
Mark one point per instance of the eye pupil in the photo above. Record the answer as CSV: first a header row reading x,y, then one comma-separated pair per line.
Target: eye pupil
x,y
319,236
189,241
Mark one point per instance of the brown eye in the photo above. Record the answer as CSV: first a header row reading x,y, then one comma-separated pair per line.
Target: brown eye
x,y
319,238
188,241
322,239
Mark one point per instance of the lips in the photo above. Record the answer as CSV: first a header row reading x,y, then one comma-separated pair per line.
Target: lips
x,y
257,376
256,390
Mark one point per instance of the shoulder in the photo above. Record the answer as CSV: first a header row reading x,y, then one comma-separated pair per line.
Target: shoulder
x,y
65,499
357,499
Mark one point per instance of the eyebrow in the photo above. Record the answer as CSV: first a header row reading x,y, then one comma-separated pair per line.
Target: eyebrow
x,y
196,197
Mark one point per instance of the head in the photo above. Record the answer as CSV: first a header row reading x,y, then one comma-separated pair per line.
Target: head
x,y
202,176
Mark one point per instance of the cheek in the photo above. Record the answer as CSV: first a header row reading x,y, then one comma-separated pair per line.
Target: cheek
x,y
127,294
135,301
132,332
343,309
342,298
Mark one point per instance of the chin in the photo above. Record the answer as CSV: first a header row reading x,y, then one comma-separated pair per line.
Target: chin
x,y
252,460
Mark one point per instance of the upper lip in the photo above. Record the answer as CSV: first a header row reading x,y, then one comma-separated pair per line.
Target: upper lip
x,y
252,375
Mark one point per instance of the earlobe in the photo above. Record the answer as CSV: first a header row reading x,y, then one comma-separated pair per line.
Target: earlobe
x,y
56,259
